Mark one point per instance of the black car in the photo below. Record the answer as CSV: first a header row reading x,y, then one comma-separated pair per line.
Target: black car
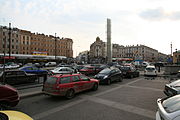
x,y
129,71
172,88
108,75
17,77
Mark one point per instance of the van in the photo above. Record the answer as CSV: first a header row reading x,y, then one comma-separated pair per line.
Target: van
x,y
50,64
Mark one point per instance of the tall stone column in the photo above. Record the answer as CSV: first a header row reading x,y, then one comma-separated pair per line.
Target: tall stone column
x,y
109,47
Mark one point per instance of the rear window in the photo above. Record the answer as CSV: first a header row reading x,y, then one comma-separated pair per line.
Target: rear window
x,y
172,104
51,80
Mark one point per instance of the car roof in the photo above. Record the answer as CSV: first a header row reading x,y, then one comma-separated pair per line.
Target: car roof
x,y
64,75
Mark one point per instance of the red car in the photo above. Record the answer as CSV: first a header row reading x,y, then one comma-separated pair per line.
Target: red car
x,y
68,85
8,96
89,70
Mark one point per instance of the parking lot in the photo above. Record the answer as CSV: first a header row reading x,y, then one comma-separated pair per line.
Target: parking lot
x,y
132,99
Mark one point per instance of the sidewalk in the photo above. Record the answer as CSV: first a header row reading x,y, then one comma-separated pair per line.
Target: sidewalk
x,y
29,91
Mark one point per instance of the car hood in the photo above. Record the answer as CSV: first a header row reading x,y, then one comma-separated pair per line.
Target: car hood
x,y
175,83
15,115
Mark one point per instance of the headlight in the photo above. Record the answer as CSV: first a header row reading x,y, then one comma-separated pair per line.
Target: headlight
x,y
105,77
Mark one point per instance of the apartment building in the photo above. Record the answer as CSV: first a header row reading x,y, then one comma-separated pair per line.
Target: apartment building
x,y
176,57
136,52
13,43
26,42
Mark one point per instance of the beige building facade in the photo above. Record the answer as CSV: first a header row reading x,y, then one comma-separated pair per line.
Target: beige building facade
x,y
136,52
25,42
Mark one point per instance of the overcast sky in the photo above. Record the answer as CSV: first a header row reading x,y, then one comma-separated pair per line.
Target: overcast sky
x,y
155,23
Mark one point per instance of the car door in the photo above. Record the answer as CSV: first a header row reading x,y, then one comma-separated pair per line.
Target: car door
x,y
85,82
117,74
21,77
65,84
10,77
77,83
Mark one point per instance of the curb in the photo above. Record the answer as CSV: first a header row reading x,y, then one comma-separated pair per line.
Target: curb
x,y
30,94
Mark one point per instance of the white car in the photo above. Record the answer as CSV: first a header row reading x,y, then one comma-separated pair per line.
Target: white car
x,y
150,71
50,64
5,66
62,70
14,66
168,108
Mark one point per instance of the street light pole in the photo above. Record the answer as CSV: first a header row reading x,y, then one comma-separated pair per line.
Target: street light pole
x,y
9,40
55,46
4,61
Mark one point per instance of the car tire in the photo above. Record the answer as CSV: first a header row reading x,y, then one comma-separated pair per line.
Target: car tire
x,y
95,87
3,116
108,81
70,94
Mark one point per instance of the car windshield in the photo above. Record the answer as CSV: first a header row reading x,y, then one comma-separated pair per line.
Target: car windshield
x,y
125,68
172,104
105,71
150,69
51,80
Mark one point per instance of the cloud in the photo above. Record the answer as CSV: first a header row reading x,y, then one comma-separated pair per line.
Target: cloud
x,y
159,14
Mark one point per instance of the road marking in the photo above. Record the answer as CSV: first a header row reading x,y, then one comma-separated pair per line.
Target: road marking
x,y
147,88
57,109
124,107
94,98
116,88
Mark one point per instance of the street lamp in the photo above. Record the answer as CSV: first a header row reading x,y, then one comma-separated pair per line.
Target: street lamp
x,y
9,40
55,46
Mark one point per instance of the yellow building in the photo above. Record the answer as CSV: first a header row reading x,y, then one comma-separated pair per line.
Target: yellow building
x,y
176,57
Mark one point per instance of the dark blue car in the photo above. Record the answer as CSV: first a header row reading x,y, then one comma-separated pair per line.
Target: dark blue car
x,y
34,70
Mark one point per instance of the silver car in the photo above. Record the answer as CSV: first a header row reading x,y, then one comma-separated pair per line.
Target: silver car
x,y
172,88
168,108
62,70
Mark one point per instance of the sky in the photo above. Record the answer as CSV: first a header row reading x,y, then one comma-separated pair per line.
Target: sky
x,y
154,23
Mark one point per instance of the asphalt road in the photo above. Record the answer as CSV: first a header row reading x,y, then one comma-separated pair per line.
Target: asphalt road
x,y
132,99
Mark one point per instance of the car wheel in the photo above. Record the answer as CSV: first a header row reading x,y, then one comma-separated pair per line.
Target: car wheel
x,y
95,87
108,81
70,94
3,116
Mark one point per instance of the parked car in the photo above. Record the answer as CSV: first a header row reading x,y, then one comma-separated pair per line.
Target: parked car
x,y
14,115
150,71
13,66
5,66
89,70
168,108
109,75
129,71
8,96
50,64
34,70
17,77
68,85
172,88
62,70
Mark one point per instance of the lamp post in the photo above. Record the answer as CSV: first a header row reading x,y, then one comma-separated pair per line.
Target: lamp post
x,y
55,46
9,40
